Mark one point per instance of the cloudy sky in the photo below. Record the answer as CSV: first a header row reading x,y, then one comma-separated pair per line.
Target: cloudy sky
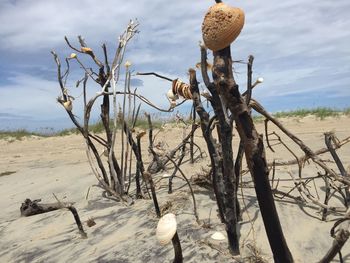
x,y
301,49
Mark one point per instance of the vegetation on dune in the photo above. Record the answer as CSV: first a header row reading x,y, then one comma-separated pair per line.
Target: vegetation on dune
x,y
17,134
320,113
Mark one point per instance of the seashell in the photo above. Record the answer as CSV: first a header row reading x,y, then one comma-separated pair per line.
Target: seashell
x,y
68,105
171,96
127,64
218,236
86,49
166,228
260,80
182,89
73,55
221,26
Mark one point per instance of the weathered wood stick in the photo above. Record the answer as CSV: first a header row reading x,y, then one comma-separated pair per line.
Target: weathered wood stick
x,y
30,208
340,238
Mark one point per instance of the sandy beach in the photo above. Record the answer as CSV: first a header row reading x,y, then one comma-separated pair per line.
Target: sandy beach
x,y
37,168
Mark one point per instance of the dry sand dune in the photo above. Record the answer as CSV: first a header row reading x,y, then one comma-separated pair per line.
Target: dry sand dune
x,y
43,166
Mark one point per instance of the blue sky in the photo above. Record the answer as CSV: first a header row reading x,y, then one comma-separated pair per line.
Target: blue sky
x,y
301,49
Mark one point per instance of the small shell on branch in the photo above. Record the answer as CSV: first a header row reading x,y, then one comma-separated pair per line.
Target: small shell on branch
x,y
260,80
166,228
182,89
68,105
171,96
221,26
218,236
73,55
127,64
86,49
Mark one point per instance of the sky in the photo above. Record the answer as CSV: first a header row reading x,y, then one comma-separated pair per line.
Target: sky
x,y
301,49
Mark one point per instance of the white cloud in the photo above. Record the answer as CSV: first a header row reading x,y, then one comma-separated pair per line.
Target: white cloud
x,y
299,46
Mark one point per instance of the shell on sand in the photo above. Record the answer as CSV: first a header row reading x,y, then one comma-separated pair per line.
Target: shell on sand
x,y
166,228
221,26
218,236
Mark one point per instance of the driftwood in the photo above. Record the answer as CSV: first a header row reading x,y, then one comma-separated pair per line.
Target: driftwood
x,y
177,249
30,208
340,237
158,163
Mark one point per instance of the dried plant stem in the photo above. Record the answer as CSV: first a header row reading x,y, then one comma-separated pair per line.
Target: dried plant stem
x,y
189,186
256,106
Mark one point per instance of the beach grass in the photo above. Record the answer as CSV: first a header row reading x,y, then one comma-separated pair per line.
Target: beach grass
x,y
319,112
142,123
17,134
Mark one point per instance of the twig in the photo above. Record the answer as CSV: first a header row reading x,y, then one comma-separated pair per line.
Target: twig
x,y
189,186
155,74
75,214
256,106
340,238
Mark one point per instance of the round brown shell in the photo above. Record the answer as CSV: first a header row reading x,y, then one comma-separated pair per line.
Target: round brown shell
x,y
221,26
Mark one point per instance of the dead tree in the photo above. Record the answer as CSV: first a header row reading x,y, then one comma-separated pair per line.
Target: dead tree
x,y
110,172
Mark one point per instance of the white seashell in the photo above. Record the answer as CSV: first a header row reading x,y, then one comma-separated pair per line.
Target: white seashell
x,y
68,105
218,236
73,55
127,64
166,175
260,80
171,96
166,228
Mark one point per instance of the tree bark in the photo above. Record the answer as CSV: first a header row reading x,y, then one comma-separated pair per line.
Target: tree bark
x,y
254,151
222,163
177,249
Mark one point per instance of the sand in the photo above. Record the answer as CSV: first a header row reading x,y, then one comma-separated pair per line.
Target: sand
x,y
43,166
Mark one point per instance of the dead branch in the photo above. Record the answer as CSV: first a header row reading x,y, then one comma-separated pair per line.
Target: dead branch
x,y
329,138
254,152
189,185
304,158
156,165
148,178
257,107
30,208
155,74
340,237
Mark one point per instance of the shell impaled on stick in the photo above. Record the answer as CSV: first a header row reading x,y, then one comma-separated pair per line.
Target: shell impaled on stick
x,y
68,105
182,89
221,26
171,96
166,228
86,49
